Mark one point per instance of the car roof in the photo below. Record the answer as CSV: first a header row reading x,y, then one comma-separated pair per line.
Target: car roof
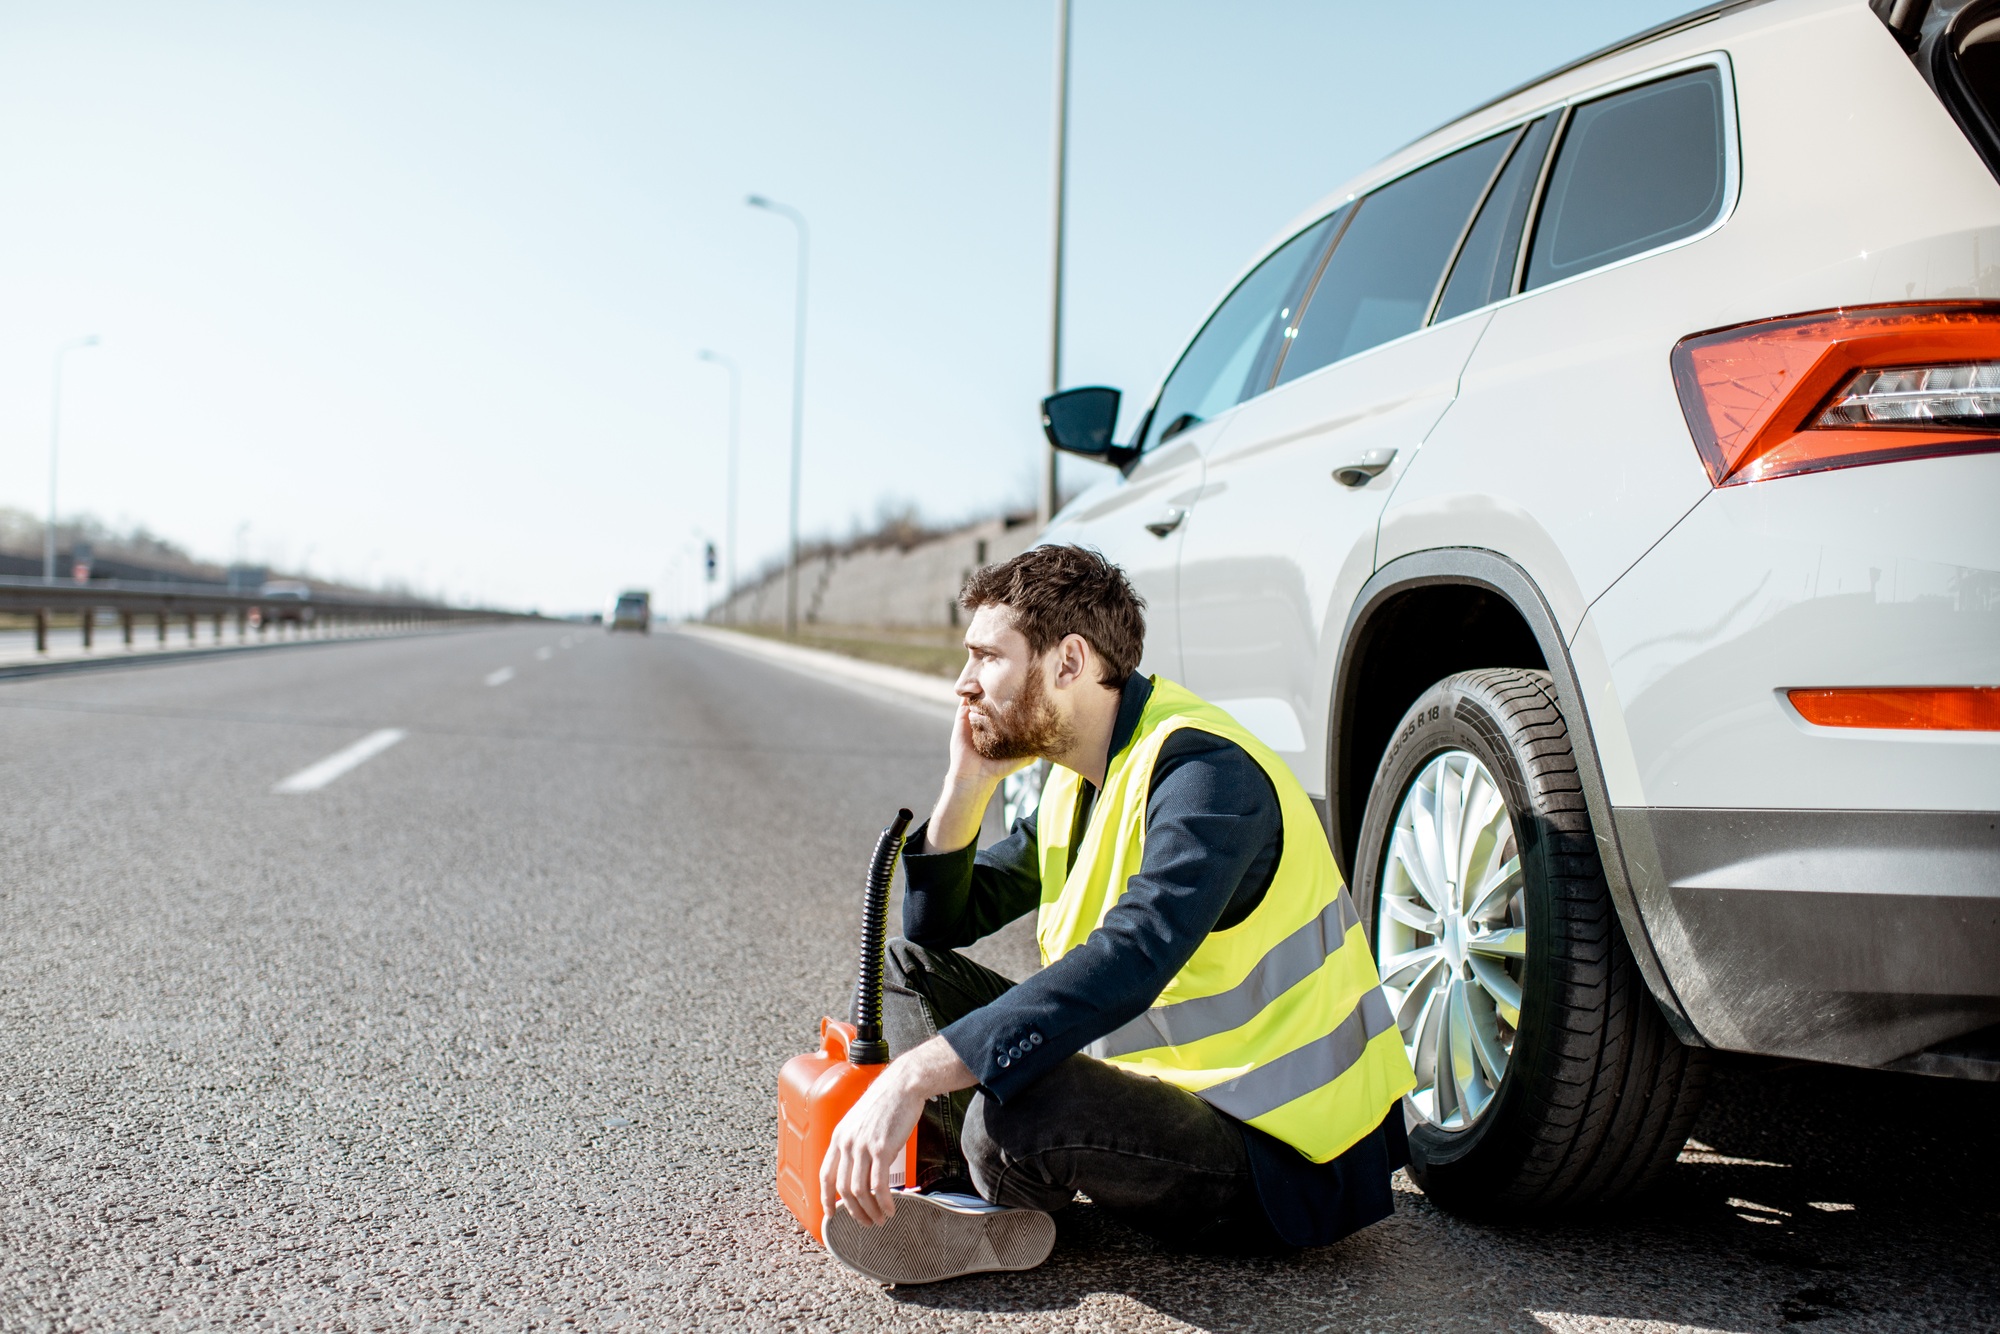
x,y
1692,18
1497,112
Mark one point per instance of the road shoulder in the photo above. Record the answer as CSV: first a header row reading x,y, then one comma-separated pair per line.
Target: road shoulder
x,y
932,693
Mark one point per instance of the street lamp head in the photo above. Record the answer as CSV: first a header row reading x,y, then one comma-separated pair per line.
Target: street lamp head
x,y
706,355
783,210
88,340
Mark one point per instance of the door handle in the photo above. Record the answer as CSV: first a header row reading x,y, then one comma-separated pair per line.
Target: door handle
x,y
1364,469
1167,522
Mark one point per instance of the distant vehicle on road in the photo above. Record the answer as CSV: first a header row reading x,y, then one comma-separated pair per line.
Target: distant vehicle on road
x,y
1595,503
287,600
632,611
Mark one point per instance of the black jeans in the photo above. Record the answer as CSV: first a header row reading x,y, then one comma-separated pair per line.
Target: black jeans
x,y
1152,1155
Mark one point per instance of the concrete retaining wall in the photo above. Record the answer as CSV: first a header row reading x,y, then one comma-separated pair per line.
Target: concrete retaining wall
x,y
885,586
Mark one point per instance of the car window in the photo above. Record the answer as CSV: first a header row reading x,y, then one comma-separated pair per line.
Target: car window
x,y
1484,270
1634,171
1230,359
1385,267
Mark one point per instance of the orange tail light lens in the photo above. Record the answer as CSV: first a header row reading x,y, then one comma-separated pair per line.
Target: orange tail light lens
x,y
1840,388
1952,709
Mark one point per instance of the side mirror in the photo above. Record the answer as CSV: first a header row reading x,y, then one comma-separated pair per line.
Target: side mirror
x,y
1080,421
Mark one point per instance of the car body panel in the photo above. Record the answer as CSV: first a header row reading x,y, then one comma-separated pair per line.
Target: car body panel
x,y
1261,620
1113,515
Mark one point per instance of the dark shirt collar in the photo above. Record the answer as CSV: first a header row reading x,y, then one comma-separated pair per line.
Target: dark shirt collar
x,y
1131,703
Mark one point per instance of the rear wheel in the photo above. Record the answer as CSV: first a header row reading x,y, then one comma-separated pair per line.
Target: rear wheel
x,y
1546,1076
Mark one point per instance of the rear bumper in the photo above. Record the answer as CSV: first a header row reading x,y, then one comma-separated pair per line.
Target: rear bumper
x,y
1866,938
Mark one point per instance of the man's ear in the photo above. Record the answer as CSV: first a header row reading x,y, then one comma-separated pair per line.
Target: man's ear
x,y
1074,661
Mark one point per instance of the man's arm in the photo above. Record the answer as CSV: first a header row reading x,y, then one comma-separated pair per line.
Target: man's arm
x,y
953,895
954,892
951,899
871,1136
969,782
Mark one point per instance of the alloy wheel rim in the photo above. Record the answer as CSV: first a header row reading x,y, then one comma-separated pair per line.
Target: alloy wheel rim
x,y
1452,936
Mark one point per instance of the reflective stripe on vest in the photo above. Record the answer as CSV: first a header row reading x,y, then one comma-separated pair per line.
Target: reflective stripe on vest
x,y
1296,958
1297,1073
1278,1020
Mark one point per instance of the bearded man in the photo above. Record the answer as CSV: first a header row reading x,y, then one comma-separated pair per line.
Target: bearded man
x,y
1206,1053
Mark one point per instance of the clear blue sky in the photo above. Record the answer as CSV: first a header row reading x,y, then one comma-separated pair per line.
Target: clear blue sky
x,y
415,290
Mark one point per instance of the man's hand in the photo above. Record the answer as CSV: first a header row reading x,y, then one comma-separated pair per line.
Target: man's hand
x,y
968,789
871,1136
966,761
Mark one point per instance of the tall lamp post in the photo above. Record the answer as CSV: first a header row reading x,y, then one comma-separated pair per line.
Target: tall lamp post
x,y
1047,499
55,445
798,220
729,527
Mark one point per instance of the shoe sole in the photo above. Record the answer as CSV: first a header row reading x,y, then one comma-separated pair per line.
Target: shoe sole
x,y
926,1241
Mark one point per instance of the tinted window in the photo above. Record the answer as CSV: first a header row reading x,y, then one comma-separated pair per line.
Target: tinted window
x,y
1385,268
1484,271
1635,170
1974,67
1230,359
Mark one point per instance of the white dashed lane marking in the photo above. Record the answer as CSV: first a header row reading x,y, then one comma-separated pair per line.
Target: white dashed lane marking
x,y
316,776
500,677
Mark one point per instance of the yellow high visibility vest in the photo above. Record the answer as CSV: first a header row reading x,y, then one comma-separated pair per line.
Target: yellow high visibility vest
x,y
1278,1020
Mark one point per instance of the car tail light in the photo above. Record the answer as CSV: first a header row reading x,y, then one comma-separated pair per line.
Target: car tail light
x,y
1948,709
1841,388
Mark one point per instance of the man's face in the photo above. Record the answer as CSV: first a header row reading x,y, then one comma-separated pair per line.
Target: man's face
x,y
1006,690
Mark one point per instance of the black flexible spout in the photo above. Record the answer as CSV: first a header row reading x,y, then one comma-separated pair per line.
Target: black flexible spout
x,y
868,1046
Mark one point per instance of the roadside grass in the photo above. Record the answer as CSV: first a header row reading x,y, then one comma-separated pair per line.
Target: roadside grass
x,y
935,652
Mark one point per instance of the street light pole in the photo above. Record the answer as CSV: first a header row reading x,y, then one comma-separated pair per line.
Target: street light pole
x,y
1046,501
798,220
55,445
729,528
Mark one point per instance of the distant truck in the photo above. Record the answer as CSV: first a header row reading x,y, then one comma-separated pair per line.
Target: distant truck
x,y
632,611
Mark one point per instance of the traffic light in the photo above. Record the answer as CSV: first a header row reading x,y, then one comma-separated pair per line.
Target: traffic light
x,y
709,560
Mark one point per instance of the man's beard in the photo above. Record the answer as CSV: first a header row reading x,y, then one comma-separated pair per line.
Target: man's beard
x,y
1029,729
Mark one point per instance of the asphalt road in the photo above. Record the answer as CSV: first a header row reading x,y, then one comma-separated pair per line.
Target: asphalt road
x,y
484,1033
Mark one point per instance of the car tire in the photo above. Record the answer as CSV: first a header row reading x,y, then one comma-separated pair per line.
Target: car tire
x,y
1596,1095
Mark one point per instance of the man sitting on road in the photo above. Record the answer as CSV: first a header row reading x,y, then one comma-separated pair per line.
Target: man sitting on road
x,y
1207,1053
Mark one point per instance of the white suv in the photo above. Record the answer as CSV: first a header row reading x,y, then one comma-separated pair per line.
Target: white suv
x,y
1597,504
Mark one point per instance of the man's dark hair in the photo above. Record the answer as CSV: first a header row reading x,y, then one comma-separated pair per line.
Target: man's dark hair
x,y
1056,591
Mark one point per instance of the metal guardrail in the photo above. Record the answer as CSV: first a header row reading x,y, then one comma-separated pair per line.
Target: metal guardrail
x,y
321,615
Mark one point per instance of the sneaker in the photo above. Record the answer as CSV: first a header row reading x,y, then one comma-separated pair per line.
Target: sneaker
x,y
940,1236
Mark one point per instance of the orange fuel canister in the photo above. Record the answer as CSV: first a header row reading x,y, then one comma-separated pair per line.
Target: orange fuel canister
x,y
814,1091
817,1089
